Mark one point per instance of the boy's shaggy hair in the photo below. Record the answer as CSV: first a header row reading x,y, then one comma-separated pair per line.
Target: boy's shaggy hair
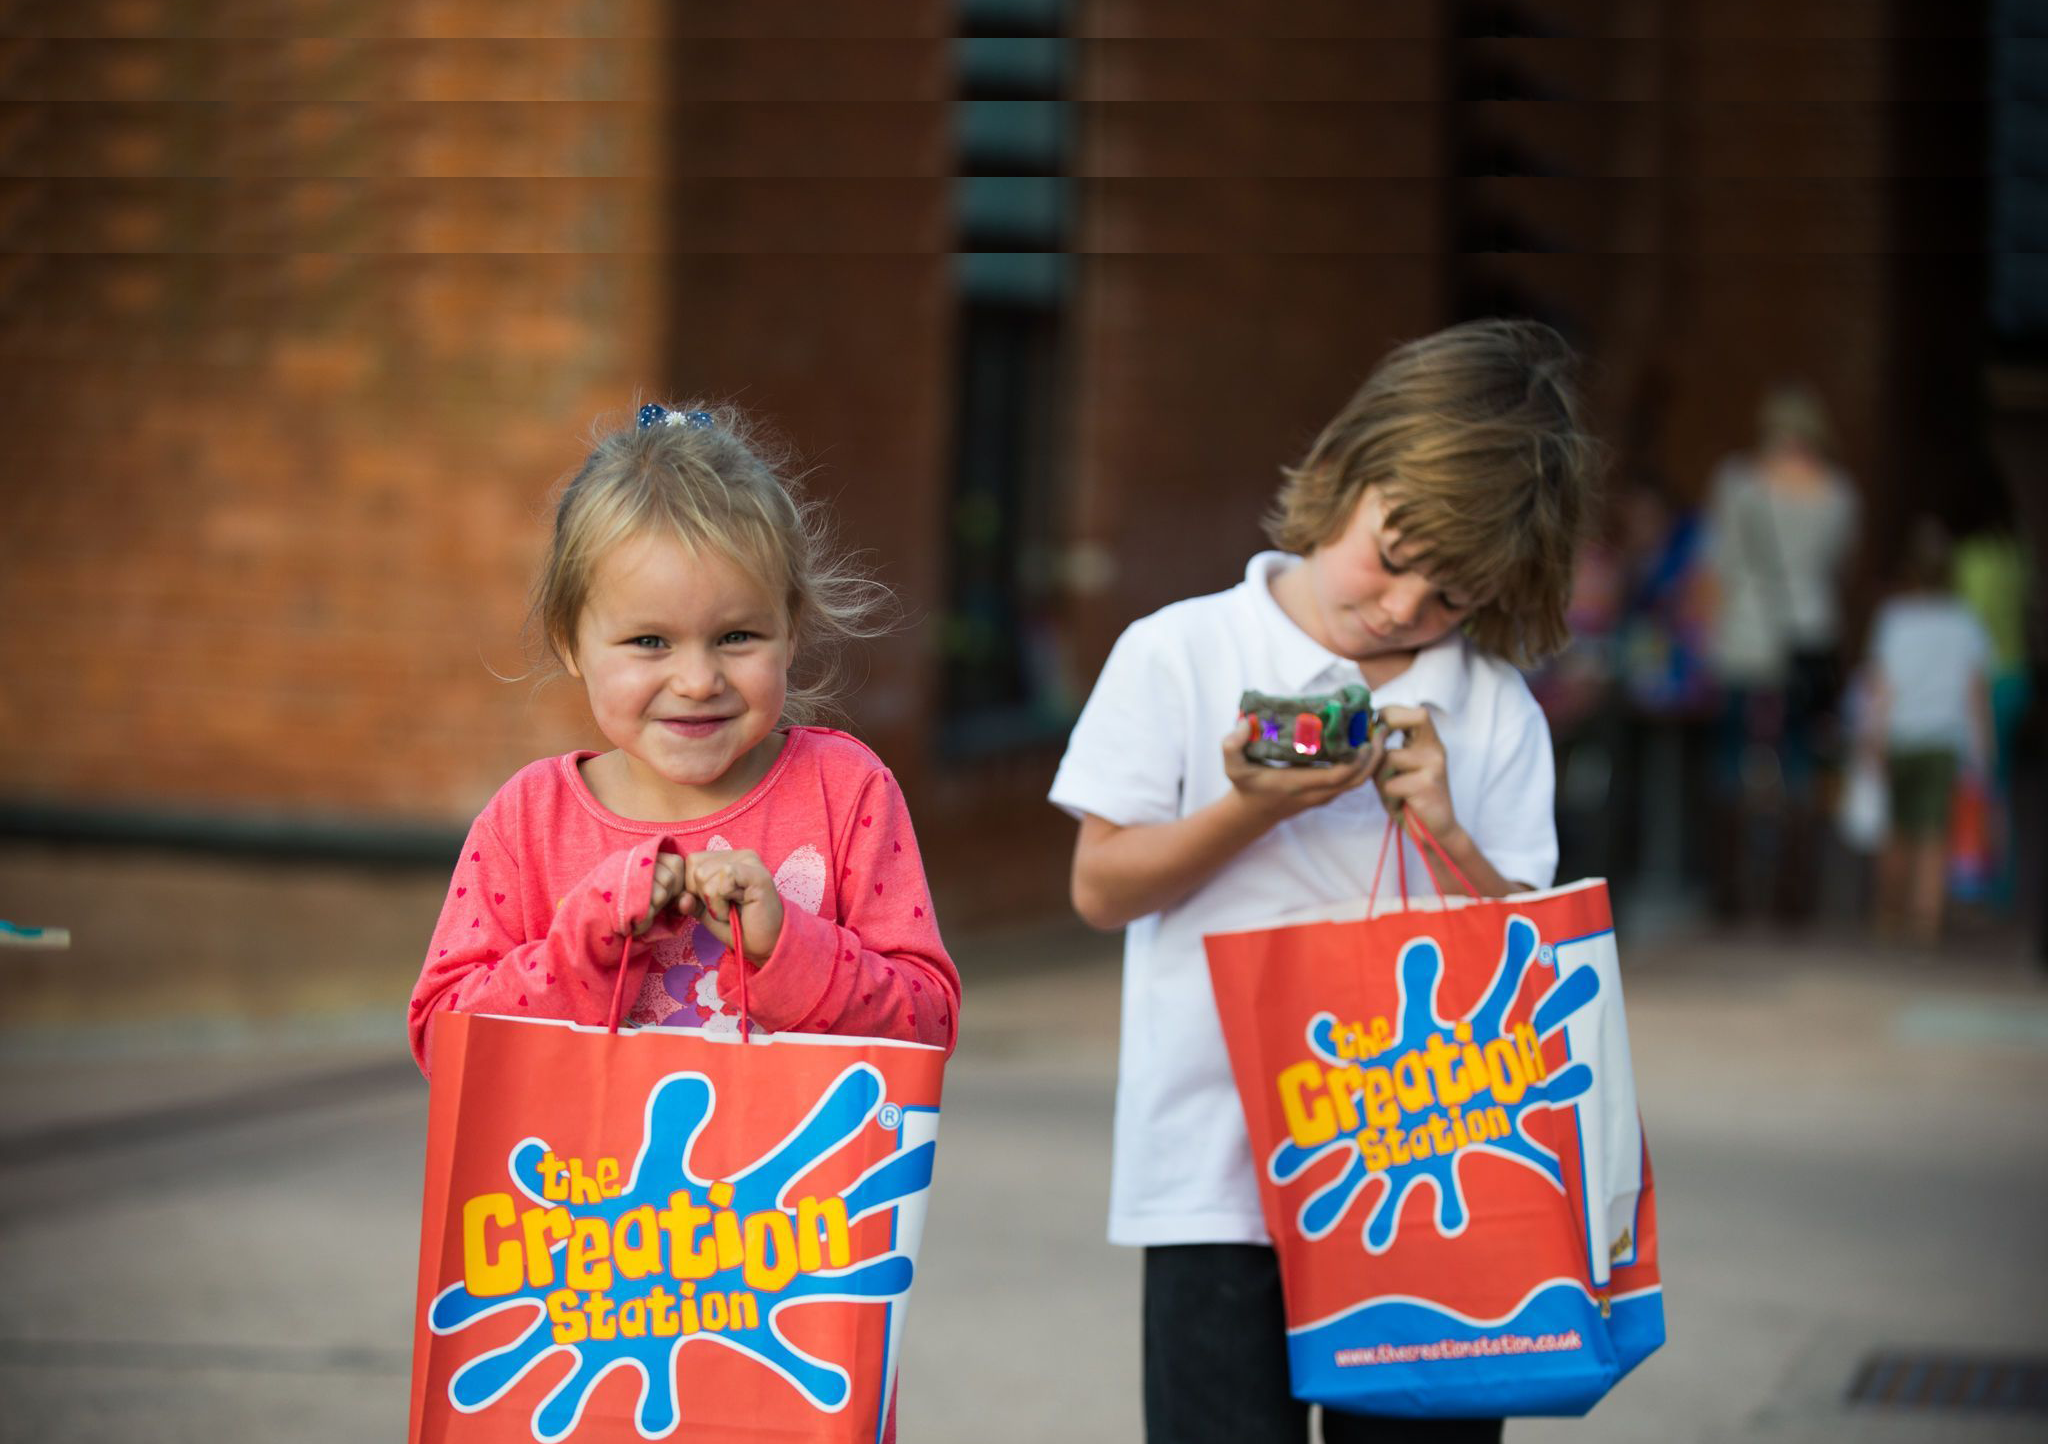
x,y
1475,438
719,487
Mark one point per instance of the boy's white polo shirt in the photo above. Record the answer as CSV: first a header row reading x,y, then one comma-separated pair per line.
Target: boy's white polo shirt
x,y
1148,749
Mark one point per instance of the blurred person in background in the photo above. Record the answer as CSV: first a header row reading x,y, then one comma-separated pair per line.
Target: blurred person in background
x,y
1665,625
1576,691
1992,581
1930,713
1670,695
1780,524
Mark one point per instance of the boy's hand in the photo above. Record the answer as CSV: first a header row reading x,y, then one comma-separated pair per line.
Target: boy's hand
x,y
1278,793
668,887
1413,779
714,881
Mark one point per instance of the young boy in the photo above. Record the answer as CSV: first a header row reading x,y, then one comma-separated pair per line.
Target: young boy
x,y
1930,673
1426,544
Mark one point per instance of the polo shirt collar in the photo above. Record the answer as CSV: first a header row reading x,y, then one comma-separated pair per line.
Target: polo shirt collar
x,y
1439,676
1298,659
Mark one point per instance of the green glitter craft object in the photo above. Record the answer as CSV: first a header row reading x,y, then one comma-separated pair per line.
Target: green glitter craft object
x,y
1319,730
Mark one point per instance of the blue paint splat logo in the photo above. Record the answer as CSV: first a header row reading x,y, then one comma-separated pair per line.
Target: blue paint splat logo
x,y
624,1275
1407,1103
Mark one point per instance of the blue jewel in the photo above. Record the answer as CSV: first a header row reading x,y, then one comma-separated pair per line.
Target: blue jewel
x,y
653,415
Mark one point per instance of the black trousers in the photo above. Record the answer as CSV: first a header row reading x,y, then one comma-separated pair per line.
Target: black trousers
x,y
1216,1360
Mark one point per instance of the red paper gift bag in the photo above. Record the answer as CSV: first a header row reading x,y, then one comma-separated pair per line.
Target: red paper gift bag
x,y
661,1234
1450,1160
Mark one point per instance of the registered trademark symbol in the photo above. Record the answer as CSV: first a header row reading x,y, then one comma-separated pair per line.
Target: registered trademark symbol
x,y
1547,955
891,1117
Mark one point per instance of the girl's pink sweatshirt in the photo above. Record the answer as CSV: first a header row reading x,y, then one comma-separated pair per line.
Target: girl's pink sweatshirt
x,y
538,909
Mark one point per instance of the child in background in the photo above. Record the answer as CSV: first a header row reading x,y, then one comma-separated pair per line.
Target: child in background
x,y
1426,546
684,579
1992,578
1930,713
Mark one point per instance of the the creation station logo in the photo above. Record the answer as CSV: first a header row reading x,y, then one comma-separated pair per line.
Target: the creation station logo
x,y
623,1273
1408,1101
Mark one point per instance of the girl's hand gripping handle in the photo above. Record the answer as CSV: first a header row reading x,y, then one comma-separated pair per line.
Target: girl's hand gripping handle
x,y
733,883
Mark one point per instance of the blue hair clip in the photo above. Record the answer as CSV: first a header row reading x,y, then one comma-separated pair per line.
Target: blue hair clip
x,y
653,415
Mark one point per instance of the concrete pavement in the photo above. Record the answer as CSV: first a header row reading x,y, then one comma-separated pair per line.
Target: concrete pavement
x,y
210,1237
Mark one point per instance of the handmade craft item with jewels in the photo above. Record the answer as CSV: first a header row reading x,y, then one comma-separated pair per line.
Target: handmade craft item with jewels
x,y
1319,730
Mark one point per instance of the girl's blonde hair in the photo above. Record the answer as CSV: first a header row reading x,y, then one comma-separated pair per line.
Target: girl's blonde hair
x,y
705,476
1475,438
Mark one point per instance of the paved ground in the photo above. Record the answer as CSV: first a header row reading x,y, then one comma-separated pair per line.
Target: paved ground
x,y
207,1234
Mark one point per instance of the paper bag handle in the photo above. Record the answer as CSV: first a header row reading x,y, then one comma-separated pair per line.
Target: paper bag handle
x,y
1425,837
739,956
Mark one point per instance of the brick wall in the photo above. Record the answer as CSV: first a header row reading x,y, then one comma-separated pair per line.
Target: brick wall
x,y
1266,219
289,374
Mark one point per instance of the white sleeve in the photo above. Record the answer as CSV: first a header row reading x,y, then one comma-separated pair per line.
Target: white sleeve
x,y
1125,758
1515,822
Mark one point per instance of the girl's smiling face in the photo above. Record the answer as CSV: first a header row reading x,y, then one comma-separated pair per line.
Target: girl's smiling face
x,y
1365,597
685,657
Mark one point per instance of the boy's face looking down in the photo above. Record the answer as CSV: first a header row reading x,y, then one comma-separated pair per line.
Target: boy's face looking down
x,y
1362,596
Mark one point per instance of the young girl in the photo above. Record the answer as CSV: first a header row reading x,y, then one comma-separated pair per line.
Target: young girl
x,y
684,580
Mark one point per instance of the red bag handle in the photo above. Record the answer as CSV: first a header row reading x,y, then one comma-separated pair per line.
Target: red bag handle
x,y
739,956
619,987
1422,829
1425,837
